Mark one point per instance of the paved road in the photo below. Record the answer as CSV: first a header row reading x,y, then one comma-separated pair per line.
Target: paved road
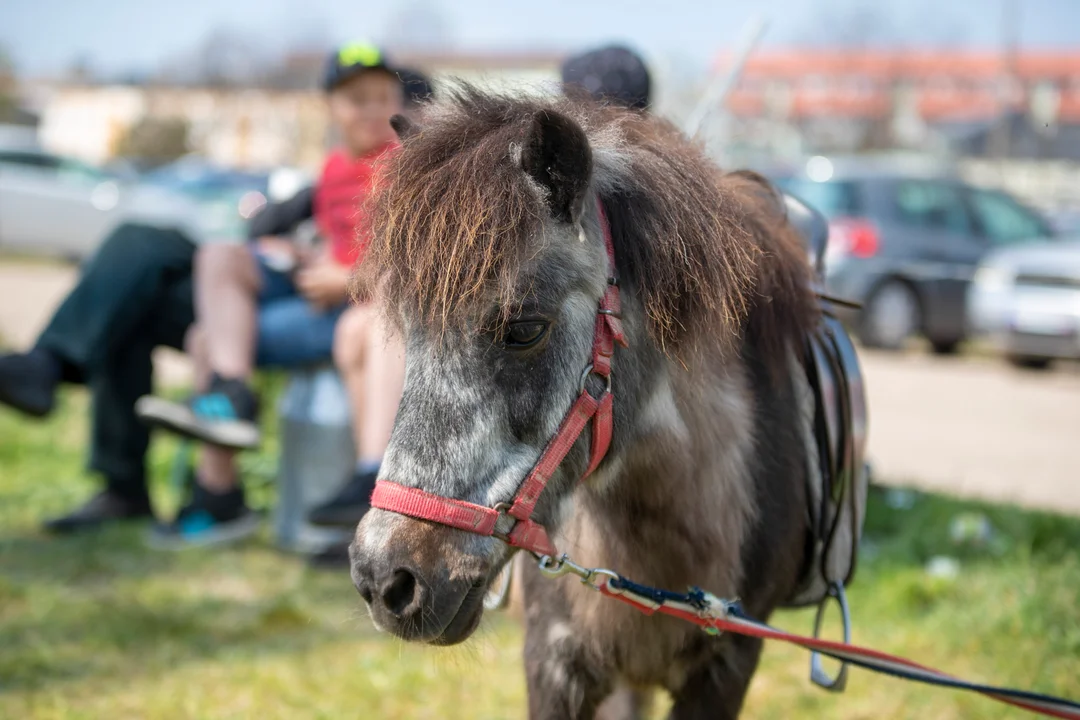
x,y
968,426
976,427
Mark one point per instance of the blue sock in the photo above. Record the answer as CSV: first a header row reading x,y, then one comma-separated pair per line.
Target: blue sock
x,y
368,466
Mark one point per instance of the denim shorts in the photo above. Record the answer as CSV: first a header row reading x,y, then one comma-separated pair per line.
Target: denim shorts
x,y
292,332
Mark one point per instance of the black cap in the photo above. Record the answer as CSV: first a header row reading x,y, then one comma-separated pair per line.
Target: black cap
x,y
352,59
416,85
613,73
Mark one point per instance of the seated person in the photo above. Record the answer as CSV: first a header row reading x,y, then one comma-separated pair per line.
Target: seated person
x,y
371,362
275,304
133,295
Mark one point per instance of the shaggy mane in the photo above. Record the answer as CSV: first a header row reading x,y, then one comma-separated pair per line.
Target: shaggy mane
x,y
710,255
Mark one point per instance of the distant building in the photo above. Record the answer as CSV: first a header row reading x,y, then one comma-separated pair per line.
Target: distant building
x,y
507,69
264,127
851,100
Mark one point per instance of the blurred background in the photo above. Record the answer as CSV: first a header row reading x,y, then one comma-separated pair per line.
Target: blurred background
x,y
941,140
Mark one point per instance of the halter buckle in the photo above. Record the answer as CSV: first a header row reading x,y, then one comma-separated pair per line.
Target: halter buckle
x,y
589,370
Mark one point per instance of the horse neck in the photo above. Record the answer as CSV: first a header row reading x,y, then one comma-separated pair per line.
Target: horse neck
x,y
674,503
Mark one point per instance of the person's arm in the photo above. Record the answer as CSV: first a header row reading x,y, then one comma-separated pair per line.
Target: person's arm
x,y
282,218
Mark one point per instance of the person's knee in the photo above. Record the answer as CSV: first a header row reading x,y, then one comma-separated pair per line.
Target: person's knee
x,y
224,263
351,337
195,341
141,247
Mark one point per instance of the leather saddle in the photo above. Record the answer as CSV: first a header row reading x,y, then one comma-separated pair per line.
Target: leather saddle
x,y
836,448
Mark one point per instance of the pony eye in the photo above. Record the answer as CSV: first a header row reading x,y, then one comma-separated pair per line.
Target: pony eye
x,y
523,334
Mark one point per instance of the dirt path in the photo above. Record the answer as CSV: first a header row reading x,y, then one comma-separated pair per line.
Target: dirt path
x,y
967,426
976,427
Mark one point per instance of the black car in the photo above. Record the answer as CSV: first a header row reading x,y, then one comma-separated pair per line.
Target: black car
x,y
905,241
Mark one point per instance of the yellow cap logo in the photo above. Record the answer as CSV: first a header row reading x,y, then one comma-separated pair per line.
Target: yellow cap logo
x,y
359,54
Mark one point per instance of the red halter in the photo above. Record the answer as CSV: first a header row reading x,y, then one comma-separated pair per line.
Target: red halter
x,y
519,529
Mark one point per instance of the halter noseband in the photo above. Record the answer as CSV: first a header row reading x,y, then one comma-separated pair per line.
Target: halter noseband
x,y
512,522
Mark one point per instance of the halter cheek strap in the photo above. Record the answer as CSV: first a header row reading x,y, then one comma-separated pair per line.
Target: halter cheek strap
x,y
512,522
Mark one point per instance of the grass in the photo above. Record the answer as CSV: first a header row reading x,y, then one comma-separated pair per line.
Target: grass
x,y
99,627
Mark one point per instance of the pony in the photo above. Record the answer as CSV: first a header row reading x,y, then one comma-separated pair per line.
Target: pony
x,y
486,249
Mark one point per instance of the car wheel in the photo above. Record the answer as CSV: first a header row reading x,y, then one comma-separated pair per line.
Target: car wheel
x,y
1030,362
945,347
890,316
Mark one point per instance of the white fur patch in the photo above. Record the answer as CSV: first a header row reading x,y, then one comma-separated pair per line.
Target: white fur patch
x,y
660,413
558,632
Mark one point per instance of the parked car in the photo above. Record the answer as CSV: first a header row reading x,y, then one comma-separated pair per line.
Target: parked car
x,y
196,176
1026,301
905,240
55,205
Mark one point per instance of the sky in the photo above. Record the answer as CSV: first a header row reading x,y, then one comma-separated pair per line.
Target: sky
x,y
120,36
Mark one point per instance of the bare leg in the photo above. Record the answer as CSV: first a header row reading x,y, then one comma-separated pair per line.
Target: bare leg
x,y
195,347
226,292
217,469
371,361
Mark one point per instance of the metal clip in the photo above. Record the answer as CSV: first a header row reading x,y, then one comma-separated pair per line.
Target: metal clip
x,y
818,675
593,577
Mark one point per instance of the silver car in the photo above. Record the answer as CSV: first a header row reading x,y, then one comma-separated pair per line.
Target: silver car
x,y
1026,301
53,205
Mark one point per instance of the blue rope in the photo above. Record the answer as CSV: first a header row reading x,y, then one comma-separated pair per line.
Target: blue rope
x,y
696,598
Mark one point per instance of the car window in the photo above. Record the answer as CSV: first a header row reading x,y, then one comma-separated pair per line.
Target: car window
x,y
66,170
29,160
73,171
831,199
1003,221
932,205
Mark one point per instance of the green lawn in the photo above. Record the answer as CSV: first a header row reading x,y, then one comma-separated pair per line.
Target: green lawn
x,y
99,627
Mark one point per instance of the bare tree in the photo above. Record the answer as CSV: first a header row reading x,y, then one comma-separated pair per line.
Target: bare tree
x,y
864,26
224,58
229,58
80,70
419,25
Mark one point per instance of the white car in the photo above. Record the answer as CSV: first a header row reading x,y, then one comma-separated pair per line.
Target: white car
x,y
1026,301
52,205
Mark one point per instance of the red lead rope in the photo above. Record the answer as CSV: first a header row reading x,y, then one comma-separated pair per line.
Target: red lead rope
x,y
717,615
525,532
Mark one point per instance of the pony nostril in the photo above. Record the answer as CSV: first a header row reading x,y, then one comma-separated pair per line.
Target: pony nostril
x,y
365,592
400,592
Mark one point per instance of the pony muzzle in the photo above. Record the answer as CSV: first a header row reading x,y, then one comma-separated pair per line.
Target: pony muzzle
x,y
421,582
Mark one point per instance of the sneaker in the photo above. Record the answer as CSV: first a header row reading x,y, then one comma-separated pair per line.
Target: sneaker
x,y
348,507
224,416
209,519
28,381
105,507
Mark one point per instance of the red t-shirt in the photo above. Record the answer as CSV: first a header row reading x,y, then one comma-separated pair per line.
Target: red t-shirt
x,y
339,194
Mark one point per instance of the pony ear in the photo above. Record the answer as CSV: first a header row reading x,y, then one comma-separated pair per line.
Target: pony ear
x,y
403,126
557,155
